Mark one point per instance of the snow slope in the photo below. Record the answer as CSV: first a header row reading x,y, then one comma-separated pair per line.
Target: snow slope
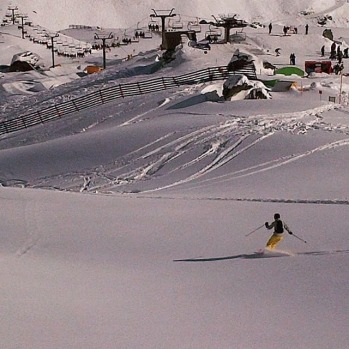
x,y
124,226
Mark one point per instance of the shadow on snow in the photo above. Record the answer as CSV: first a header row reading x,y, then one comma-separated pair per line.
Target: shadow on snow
x,y
257,255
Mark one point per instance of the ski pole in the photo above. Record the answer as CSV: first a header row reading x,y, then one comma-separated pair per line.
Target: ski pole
x,y
298,238
253,231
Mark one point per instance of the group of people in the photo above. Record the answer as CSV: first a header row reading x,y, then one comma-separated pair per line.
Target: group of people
x,y
286,29
336,52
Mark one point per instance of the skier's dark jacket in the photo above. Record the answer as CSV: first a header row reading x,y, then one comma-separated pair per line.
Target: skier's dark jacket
x,y
278,226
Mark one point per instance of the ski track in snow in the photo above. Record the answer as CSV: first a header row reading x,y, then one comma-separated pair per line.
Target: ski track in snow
x,y
267,166
218,144
30,218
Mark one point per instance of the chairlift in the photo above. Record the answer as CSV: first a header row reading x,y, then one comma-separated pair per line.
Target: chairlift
x,y
176,24
213,34
194,26
153,25
126,39
138,32
147,34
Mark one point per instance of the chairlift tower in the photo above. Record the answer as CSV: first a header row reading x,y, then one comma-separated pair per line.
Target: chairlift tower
x,y
22,16
228,22
104,37
163,14
13,9
52,36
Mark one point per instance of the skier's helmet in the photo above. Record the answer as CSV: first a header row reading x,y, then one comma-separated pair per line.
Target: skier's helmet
x,y
277,216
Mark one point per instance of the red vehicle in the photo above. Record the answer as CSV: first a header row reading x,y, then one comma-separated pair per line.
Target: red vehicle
x,y
318,67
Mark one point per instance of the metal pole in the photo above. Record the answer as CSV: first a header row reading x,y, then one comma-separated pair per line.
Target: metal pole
x,y
297,237
340,88
13,9
253,231
53,53
104,56
104,37
52,36
22,27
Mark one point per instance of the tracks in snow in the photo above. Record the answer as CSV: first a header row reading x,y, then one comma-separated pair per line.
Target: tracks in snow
x,y
193,155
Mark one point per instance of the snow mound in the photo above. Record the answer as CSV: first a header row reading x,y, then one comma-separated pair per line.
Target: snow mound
x,y
238,87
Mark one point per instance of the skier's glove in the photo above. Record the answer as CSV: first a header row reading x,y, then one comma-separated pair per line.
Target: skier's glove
x,y
290,232
266,224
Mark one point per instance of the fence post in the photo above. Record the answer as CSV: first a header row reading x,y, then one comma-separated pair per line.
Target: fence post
x,y
39,115
75,106
100,93
163,82
122,93
3,124
210,74
57,110
23,121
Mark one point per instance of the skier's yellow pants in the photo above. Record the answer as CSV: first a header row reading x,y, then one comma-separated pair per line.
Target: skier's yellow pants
x,y
274,240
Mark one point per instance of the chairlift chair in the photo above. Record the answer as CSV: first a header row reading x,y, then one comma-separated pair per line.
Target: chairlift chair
x,y
138,32
194,26
176,25
152,25
126,39
213,34
147,34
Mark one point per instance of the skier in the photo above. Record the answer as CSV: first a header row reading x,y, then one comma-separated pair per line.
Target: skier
x,y
306,29
277,236
270,28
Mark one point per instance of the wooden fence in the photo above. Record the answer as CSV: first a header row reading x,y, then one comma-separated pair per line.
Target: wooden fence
x,y
112,93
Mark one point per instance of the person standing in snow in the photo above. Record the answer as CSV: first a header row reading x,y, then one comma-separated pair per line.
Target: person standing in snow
x,y
270,28
323,51
306,29
279,227
292,59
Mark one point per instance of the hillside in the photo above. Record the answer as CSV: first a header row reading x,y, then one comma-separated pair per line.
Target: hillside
x,y
58,15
